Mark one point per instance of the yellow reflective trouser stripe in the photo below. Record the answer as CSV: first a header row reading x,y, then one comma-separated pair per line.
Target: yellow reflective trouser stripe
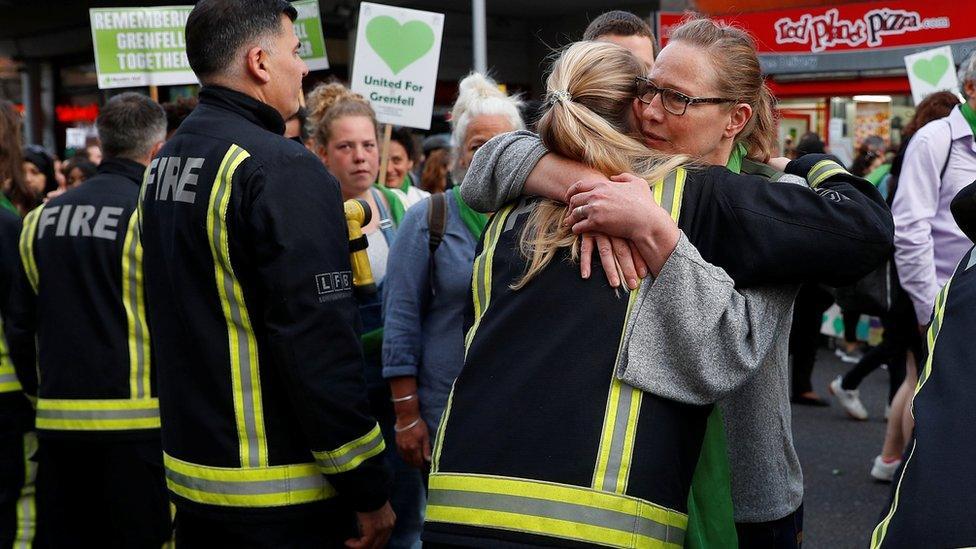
x,y
27,246
481,292
616,450
270,486
350,455
97,415
26,511
133,300
881,530
8,377
245,376
555,510
823,170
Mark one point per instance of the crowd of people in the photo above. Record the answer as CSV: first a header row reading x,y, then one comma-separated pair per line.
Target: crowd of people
x,y
256,322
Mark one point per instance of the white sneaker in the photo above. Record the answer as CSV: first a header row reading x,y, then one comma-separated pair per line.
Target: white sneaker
x,y
849,400
882,471
852,357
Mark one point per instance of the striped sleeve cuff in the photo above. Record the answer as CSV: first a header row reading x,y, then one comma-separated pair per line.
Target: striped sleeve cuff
x,y
823,170
350,455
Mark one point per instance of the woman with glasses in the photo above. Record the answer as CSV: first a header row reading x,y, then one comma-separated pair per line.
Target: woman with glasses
x,y
695,334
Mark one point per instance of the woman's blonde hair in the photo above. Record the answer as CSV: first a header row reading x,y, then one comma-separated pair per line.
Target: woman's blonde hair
x,y
591,90
733,53
329,102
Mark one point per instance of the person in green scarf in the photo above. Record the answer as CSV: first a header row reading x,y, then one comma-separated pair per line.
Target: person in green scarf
x,y
399,166
428,285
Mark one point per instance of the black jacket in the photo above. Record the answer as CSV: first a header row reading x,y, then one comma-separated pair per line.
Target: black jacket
x,y
253,320
80,293
833,232
15,410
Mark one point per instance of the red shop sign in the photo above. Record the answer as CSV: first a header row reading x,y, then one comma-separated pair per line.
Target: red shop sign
x,y
847,27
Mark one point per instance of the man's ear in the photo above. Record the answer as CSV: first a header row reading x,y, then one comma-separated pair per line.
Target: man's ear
x,y
256,61
738,118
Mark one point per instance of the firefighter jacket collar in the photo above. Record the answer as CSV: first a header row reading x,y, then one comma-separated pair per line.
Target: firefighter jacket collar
x,y
244,105
129,169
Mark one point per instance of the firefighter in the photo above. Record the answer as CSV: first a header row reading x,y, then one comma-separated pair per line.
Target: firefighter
x,y
267,437
100,478
933,495
17,438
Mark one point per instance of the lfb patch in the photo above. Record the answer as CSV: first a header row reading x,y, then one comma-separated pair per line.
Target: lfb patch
x,y
330,283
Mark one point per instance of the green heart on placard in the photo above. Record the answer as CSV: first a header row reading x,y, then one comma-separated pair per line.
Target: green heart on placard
x,y
931,70
399,45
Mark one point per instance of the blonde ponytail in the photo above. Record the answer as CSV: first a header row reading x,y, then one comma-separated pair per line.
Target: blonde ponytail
x,y
329,102
591,89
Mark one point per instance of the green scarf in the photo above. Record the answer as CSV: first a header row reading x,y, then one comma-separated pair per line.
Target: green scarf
x,y
711,523
397,208
970,115
878,174
6,203
474,221
735,159
407,183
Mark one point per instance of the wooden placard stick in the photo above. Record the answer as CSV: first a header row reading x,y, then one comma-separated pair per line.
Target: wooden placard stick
x,y
385,153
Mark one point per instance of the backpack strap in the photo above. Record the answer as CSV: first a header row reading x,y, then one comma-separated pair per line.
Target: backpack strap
x,y
948,151
752,167
436,225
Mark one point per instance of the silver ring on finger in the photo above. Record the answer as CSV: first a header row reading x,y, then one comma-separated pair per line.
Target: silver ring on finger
x,y
581,211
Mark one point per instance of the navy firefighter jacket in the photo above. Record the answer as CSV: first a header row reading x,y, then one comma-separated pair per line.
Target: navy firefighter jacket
x,y
254,324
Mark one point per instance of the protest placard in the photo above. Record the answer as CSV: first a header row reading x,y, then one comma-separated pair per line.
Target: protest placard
x,y
395,65
147,47
931,71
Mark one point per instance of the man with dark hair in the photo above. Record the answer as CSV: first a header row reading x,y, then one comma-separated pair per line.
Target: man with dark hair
x,y
624,29
78,315
268,441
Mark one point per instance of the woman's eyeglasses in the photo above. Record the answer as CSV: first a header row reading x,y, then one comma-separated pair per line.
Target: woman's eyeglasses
x,y
674,102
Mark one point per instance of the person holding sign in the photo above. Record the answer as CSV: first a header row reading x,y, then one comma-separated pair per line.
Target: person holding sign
x,y
399,166
344,131
268,440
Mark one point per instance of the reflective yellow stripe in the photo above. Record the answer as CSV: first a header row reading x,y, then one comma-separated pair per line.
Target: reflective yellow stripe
x,y
133,300
881,530
554,510
97,415
8,377
822,170
269,486
26,511
350,455
245,370
27,246
481,291
932,335
481,276
616,450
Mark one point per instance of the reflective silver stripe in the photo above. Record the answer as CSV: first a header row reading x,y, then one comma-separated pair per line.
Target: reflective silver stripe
x,y
617,441
557,510
43,413
135,266
9,378
972,259
243,341
341,463
247,487
667,193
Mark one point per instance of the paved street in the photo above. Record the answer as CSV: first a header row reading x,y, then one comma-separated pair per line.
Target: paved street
x,y
842,501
